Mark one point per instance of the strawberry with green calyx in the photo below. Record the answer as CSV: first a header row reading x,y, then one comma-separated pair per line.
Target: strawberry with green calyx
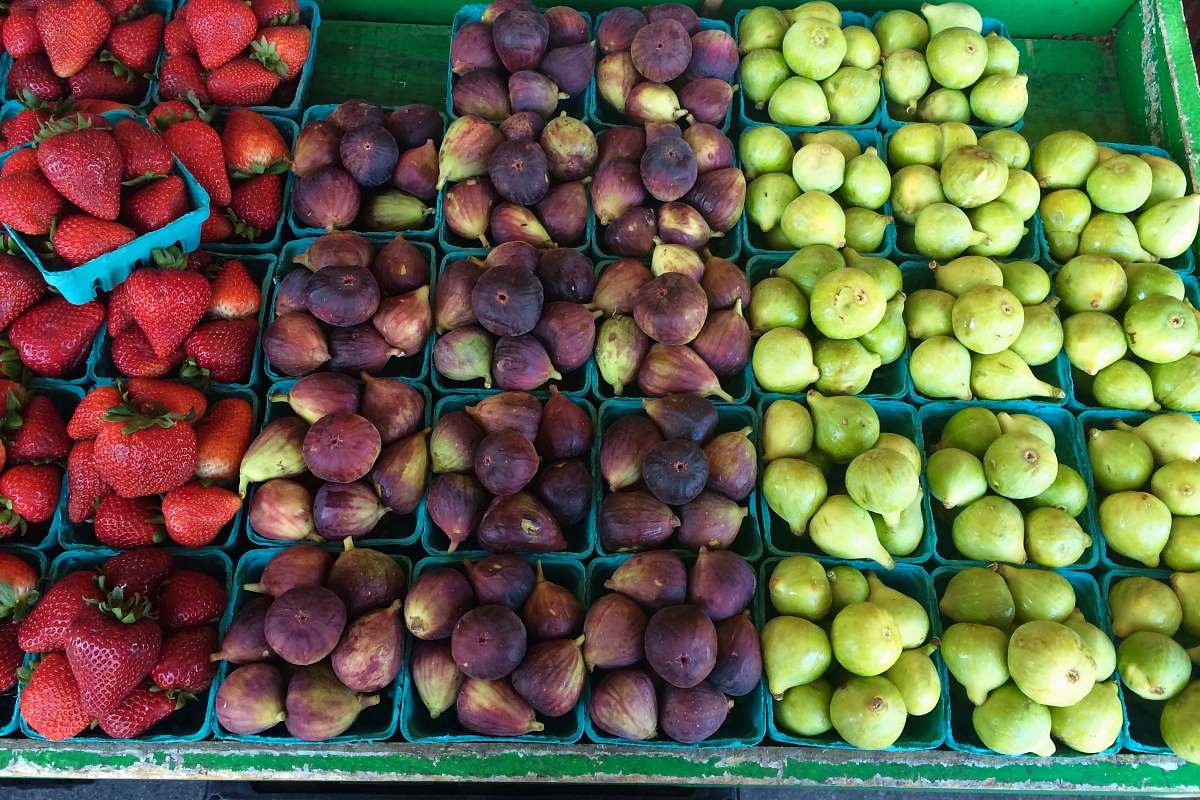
x,y
153,396
54,337
196,514
180,78
217,228
18,587
283,49
140,571
43,433
184,662
83,164
111,646
123,523
135,43
107,77
257,206
169,112
50,700
28,496
167,301
141,710
85,420
45,627
140,455
223,347
242,82
253,145
31,80
275,12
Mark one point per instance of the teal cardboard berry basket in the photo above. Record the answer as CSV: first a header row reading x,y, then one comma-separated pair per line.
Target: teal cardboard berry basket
x,y
10,718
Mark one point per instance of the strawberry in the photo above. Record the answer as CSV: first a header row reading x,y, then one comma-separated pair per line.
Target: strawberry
x,y
198,146
139,571
3,455
21,37
135,42
133,357
257,206
45,627
177,41
139,455
253,145
85,487
119,315
139,711
28,495
235,294
22,128
83,164
85,420
107,78
220,29
21,161
72,32
43,436
50,700
222,438
54,337
111,647
143,152
179,78
28,203
156,204
32,80
128,522
122,9
217,228
224,347
275,12
94,107
11,655
21,286
79,238
151,396
168,112
242,82
184,661
283,50
188,598
195,514
18,587
166,303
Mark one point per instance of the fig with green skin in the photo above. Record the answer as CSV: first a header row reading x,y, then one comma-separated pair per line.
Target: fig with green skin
x,y
804,710
1064,159
884,271
1153,666
1041,338
909,615
1168,228
762,27
762,73
1065,213
906,78
1038,594
903,537
862,48
764,150
1001,226
783,361
1050,663
944,105
797,101
1003,58
913,188
1000,100
1091,725
978,595
1145,279
1098,644
843,427
869,713
977,657
1026,424
1161,329
809,264
843,529
814,48
1120,460
916,676
1053,538
927,313
1009,145
1177,724
1004,376
795,652
1124,384
902,445
852,94
776,303
1093,340
972,176
847,303
956,57
865,229
1022,193
800,587
1135,525
1177,384
990,529
847,585
867,183
901,29
972,429
1187,590
889,338
987,319
818,167
1120,184
1068,493
1115,236
882,481
1177,484
787,430
1012,724
866,639
951,15
1183,548
814,218
767,196
919,143
843,141
955,477
943,231
794,490
1019,466
1027,281
1139,603
955,135
845,366
1169,182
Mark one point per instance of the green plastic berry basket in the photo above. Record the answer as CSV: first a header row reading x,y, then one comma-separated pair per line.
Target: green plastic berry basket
x,y
894,417
748,543
1069,448
418,727
746,723
926,732
10,719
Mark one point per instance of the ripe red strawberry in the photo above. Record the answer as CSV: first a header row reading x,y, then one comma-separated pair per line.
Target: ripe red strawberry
x,y
50,701
28,203
135,42
242,82
133,357
43,434
11,655
235,295
168,112
21,129
85,420
253,145
72,32
79,238
177,40
85,487
151,396
179,78
21,37
224,347
183,663
167,302
220,29
156,204
21,286
257,206
83,164
122,9
198,146
31,80
94,107
222,438
128,522
195,514
217,228
119,315
104,77
111,648
18,587
45,628
188,598
139,711
3,455
283,50
21,161
139,456
275,12
139,571
53,337
143,152
28,495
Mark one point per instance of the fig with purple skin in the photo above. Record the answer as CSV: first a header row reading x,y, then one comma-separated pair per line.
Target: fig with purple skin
x,y
416,171
568,332
438,597
369,154
358,349
493,708
675,471
616,189
566,429
435,676
319,394
316,147
623,704
351,114
371,652
497,7
401,474
567,26
516,223
724,341
654,579
295,344
706,100
668,369
456,503
394,407
613,632
551,677
566,274
714,55
671,309
683,416
621,143
615,78
551,612
570,148
416,123
676,258
681,645
277,452
632,234
623,449
680,224
292,292
467,207
343,510
739,656
710,146
465,150
662,130
405,321
341,447
471,49
519,523
566,489
513,254
488,642
521,363
465,354
693,714
518,411
661,50
570,67
734,464
520,37
281,510
520,172
503,580
725,284
616,31
711,520
505,462
719,195
300,566
327,198
634,520
507,300
653,102
343,296
564,212
668,168
250,699
337,249
452,295
533,91
481,92
304,624
244,641
320,707
523,126
452,443
678,12
618,285
366,579
720,583
400,267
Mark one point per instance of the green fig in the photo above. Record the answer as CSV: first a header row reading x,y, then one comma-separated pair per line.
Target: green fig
x,y
972,429
848,585
1050,663
1003,58
1093,340
962,274
1041,338
919,143
1026,423
794,490
819,167
1064,159
944,105
865,229
804,710
762,27
777,303
1145,279
865,638
862,48
1098,644
1139,603
1004,376
951,15
1183,548
1115,236
1053,538
956,57
955,477
899,29
763,72
1177,484
1135,525
1091,283
843,427
916,676
814,218
906,77
987,319
765,149
1178,724
815,8
868,713
1167,229
775,239
978,595
889,338
1177,384
1000,100
852,94
867,183
843,141
1120,460
809,264
1068,493
913,188
927,313
843,529
1169,181
1153,666
1093,724
798,586
977,657
1123,384
904,536
954,136
909,615
1022,193
972,176
847,303
1028,281
941,368
795,652
1002,227
1186,586
990,529
882,481
797,101
787,430
767,196
1009,145
1008,722
1120,184
1161,329
782,361
1019,466
845,366
943,231
902,445
814,47
1039,594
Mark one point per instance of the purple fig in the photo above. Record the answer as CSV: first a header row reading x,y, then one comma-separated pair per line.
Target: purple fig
x,y
521,363
519,523
281,510
464,354
452,442
416,123
675,471
621,143
456,503
653,102
515,223
570,67
352,114
570,148
616,31
678,12
497,7
295,344
465,150
316,147
250,699
519,171
481,92
488,642
615,78
564,212
493,708
369,154
533,91
668,168
291,294
671,309
676,258
416,171
725,284
734,464
724,341
392,210
503,580
452,295
320,707
566,429
551,677
326,198
337,249
714,55
371,652
405,321
632,234
616,189
566,274
739,657
623,449
513,254
438,597
467,207
394,407
402,473
662,130
679,223
566,489
523,126
519,411
304,624
719,195
668,369
341,447
505,462
618,285
343,296
342,510
683,416
471,49
303,565
520,37
693,714
359,349
507,300
365,579
277,452
568,332
623,704
620,348
711,520
634,520
567,26
244,641
720,583
613,632
661,50
435,676
710,146
321,393
551,612
707,100
400,267
655,579
681,645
